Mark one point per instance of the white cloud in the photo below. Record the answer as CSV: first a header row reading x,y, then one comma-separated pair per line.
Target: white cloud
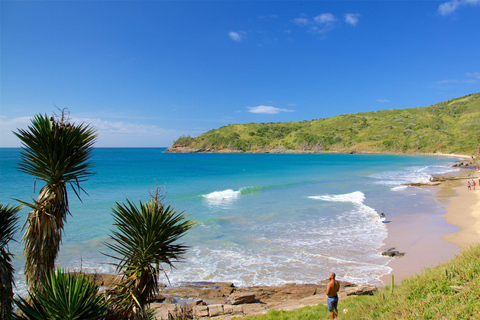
x,y
267,110
325,18
301,21
319,24
236,36
447,8
383,100
475,75
110,133
470,78
352,18
7,126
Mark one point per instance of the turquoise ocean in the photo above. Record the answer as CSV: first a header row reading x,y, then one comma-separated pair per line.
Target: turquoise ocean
x,y
262,219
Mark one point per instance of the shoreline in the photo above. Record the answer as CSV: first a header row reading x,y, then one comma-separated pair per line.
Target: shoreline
x,y
429,238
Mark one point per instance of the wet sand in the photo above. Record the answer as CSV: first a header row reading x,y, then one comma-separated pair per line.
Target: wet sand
x,y
429,239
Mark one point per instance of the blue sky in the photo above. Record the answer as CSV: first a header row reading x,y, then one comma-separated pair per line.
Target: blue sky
x,y
145,72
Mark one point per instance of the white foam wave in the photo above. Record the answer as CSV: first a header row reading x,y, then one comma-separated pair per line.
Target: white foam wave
x,y
222,199
416,174
224,195
399,188
354,197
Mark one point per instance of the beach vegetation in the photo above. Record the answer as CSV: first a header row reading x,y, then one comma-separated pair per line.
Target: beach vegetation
x,y
8,228
144,243
63,295
447,291
452,126
57,153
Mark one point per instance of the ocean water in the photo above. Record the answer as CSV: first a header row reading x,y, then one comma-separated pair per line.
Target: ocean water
x,y
263,219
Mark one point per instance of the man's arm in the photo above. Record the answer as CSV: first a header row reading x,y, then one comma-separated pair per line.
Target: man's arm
x,y
329,288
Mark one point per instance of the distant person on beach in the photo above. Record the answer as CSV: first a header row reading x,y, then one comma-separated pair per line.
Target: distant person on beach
x,y
473,184
469,186
332,298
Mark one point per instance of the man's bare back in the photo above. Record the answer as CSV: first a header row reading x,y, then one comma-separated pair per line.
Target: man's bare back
x,y
332,287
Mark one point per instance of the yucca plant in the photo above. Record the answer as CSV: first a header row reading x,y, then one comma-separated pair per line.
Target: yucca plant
x,y
8,227
146,237
57,153
64,296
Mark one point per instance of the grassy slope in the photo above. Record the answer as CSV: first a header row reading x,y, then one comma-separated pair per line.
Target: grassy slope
x,y
451,126
448,291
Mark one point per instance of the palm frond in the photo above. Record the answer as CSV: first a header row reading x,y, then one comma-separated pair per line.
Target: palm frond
x,y
145,236
64,296
8,227
57,153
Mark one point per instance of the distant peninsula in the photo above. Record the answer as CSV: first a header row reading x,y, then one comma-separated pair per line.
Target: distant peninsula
x,y
452,126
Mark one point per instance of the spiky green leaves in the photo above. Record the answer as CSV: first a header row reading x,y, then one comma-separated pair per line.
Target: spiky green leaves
x,y
146,236
8,227
64,296
57,153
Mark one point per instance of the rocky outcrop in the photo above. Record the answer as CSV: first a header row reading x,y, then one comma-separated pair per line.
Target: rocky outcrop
x,y
241,298
183,149
224,301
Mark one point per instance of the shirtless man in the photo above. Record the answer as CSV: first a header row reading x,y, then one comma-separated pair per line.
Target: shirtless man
x,y
332,288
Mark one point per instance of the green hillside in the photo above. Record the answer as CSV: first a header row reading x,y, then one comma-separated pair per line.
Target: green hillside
x,y
452,126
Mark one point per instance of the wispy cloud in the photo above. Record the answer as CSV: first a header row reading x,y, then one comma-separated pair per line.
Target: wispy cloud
x,y
267,110
352,18
474,75
319,24
110,133
325,18
469,78
236,36
448,8
301,21
7,126
383,100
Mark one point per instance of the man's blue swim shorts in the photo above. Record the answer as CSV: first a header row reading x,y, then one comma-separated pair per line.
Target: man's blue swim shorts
x,y
332,303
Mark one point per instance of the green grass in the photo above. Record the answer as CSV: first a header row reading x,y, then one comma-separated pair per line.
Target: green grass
x,y
452,126
448,291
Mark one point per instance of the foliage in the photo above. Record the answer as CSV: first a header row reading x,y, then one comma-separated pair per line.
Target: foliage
x,y
8,227
307,313
146,237
57,153
451,126
183,140
447,291
64,296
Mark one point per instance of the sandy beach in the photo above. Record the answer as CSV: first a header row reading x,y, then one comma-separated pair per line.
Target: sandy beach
x,y
429,239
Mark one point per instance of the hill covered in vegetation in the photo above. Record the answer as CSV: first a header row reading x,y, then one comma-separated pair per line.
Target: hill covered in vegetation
x,y
452,126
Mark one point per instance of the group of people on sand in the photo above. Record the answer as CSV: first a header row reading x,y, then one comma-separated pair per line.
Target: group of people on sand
x,y
471,184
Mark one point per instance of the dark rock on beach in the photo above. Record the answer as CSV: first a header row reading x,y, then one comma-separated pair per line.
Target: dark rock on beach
x,y
393,253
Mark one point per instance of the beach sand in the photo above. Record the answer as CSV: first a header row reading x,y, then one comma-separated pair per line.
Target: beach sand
x,y
429,239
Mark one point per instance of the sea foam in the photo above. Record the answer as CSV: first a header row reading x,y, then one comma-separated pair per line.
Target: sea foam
x,y
414,174
356,198
225,195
